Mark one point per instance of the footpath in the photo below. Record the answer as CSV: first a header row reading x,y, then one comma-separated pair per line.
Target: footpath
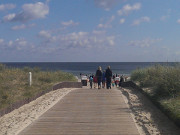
x,y
86,112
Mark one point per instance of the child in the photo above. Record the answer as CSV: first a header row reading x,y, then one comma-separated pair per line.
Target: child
x,y
113,83
91,81
95,81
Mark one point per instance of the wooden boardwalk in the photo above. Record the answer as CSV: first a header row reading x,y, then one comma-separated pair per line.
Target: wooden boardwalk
x,y
86,112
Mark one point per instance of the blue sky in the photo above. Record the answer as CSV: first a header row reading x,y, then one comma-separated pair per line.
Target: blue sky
x,y
89,31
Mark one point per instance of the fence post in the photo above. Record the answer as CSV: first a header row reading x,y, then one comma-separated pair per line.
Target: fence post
x,y
30,78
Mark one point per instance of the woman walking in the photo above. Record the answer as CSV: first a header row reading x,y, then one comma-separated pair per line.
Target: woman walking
x,y
99,76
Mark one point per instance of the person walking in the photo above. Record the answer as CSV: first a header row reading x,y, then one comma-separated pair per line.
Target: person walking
x,y
91,81
121,81
99,76
108,77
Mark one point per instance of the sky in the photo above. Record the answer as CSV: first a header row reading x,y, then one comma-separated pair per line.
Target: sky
x,y
89,31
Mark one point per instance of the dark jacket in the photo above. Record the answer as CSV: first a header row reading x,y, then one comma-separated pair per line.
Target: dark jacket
x,y
99,73
108,73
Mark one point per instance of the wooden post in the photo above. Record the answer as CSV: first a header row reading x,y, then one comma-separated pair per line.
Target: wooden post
x,y
30,78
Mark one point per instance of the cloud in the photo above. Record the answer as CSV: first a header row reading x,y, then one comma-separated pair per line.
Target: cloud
x,y
165,17
18,27
47,37
178,21
16,45
106,4
69,23
95,39
108,23
144,43
98,32
87,39
128,9
141,20
7,7
44,34
121,21
38,10
1,41
22,26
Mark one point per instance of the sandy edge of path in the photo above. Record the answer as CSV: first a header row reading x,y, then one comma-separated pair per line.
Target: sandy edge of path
x,y
148,118
13,123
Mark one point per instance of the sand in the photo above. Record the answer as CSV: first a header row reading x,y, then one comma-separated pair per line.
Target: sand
x,y
148,118
14,122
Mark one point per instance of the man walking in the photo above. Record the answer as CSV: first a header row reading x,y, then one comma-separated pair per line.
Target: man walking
x,y
108,77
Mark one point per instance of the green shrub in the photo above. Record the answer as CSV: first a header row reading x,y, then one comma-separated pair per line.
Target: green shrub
x,y
165,87
2,67
164,79
14,84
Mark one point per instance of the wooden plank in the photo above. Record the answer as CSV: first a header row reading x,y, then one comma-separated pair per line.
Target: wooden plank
x,y
86,112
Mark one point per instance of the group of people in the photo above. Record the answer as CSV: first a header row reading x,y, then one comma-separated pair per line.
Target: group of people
x,y
104,78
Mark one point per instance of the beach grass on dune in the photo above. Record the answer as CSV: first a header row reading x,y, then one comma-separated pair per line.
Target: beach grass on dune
x,y
14,84
162,84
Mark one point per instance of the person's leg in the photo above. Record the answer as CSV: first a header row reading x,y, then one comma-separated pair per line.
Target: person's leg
x,y
108,83
98,83
91,85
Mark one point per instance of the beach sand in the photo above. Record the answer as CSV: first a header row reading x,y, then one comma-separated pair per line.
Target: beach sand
x,y
148,118
14,122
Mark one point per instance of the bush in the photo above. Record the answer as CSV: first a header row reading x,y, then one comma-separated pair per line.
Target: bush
x,y
14,84
2,67
165,80
165,88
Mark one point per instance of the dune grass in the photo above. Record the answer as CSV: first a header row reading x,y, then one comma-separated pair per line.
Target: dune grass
x,y
14,84
163,84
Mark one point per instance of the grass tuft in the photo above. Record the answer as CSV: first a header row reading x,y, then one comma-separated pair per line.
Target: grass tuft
x,y
164,87
14,83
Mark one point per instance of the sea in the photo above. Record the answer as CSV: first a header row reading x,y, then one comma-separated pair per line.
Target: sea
x,y
86,68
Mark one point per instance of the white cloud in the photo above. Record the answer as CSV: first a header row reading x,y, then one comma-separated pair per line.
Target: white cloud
x,y
18,44
7,6
121,21
69,23
95,39
144,43
9,17
47,37
165,17
30,11
1,41
98,32
142,19
128,9
22,26
87,39
18,27
104,26
178,21
44,34
107,24
106,4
